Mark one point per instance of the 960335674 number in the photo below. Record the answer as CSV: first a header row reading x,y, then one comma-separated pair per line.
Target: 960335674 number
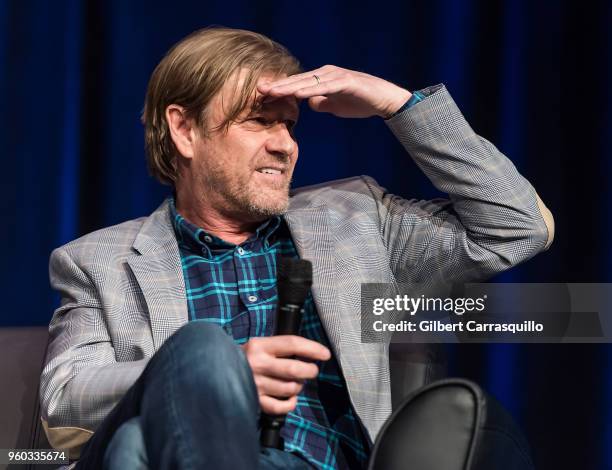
x,y
33,456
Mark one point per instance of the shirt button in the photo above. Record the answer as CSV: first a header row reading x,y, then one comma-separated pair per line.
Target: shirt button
x,y
208,239
252,298
241,251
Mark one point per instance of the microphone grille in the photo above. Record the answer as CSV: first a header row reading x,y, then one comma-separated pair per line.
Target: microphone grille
x,y
294,278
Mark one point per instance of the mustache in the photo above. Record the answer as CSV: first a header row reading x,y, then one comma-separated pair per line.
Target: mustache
x,y
278,162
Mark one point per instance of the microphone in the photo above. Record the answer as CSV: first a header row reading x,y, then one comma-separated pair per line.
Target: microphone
x,y
293,280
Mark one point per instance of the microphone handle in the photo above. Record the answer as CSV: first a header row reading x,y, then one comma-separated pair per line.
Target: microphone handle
x,y
288,321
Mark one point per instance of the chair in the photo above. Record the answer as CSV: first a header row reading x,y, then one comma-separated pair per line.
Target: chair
x,y
22,352
450,424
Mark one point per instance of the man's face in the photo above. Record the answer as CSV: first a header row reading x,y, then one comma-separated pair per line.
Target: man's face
x,y
246,172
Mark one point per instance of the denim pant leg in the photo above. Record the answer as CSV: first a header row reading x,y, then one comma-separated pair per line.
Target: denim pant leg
x,y
201,393
127,451
127,448
198,405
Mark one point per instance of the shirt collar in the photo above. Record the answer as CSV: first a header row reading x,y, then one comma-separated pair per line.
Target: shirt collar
x,y
199,241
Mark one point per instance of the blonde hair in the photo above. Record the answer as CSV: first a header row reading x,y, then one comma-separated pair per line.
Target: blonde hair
x,y
193,72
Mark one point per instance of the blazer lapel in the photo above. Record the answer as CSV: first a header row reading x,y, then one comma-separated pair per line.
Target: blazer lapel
x,y
365,366
157,268
314,242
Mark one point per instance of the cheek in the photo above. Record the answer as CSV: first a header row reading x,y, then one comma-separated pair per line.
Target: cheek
x,y
243,148
294,157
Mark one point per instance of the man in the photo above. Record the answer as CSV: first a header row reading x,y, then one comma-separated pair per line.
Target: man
x,y
161,347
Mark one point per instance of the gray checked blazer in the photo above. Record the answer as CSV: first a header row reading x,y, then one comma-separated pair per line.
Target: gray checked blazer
x,y
123,292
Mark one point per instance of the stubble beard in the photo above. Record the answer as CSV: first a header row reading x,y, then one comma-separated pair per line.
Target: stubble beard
x,y
244,199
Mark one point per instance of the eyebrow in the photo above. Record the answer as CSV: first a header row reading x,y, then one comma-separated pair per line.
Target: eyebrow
x,y
259,104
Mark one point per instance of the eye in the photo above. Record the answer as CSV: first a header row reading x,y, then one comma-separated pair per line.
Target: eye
x,y
260,120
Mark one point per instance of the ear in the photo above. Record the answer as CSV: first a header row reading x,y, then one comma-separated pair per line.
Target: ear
x,y
182,130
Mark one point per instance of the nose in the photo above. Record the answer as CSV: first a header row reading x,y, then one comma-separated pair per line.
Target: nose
x,y
280,141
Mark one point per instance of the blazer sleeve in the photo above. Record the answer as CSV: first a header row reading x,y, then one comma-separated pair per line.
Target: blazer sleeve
x,y
493,218
81,380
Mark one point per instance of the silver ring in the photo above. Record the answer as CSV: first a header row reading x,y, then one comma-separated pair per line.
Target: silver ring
x,y
317,79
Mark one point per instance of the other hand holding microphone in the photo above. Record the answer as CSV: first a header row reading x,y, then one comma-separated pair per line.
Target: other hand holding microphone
x,y
279,377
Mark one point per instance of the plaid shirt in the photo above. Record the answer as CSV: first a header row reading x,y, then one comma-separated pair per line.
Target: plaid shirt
x,y
235,287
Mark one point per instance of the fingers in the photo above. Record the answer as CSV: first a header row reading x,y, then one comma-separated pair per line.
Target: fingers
x,y
320,72
292,345
276,375
318,103
289,369
298,82
277,388
274,406
306,82
304,85
322,89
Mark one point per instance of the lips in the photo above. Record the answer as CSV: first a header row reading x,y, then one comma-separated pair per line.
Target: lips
x,y
273,176
271,170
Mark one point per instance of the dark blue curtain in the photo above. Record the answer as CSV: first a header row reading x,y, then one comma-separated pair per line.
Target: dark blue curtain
x,y
533,77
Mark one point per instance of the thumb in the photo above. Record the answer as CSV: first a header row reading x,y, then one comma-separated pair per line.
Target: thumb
x,y
319,104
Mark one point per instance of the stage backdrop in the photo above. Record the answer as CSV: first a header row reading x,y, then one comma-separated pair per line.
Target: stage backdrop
x,y
533,77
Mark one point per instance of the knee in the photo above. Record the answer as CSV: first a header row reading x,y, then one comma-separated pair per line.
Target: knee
x,y
211,359
201,338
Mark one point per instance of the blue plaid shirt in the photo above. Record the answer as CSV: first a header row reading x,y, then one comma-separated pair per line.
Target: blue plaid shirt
x,y
235,287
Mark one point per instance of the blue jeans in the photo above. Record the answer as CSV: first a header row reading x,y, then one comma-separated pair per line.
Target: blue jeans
x,y
195,406
127,450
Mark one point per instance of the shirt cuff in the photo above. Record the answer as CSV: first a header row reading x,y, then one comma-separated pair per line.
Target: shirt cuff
x,y
416,97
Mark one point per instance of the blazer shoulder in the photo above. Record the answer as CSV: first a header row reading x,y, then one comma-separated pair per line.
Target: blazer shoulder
x,y
342,191
103,244
352,183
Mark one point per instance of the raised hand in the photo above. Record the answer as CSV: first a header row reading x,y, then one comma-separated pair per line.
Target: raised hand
x,y
341,92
